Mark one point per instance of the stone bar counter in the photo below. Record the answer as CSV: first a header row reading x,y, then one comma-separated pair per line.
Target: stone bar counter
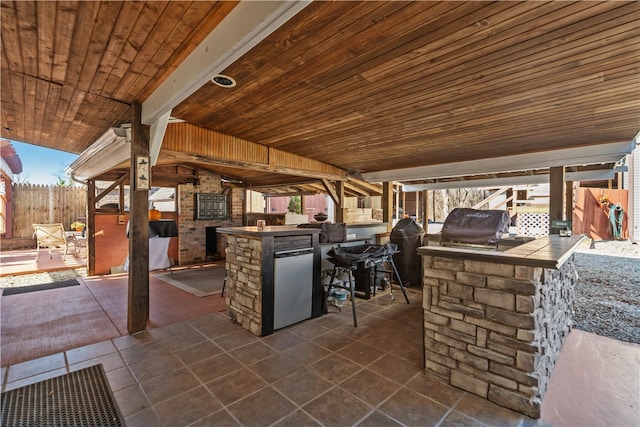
x,y
495,321
256,297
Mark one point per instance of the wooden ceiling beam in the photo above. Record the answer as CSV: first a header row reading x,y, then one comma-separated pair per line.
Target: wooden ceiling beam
x,y
121,180
332,191
369,188
188,143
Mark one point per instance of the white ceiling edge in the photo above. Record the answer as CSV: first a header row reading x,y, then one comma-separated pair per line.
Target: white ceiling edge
x,y
579,156
104,154
594,175
510,181
242,29
485,182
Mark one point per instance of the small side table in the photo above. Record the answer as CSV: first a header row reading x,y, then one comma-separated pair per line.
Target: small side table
x,y
77,239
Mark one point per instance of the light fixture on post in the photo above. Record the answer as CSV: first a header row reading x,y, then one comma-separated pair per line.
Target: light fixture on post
x,y
123,132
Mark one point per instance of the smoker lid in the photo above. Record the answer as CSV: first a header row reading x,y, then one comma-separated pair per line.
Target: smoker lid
x,y
407,227
467,225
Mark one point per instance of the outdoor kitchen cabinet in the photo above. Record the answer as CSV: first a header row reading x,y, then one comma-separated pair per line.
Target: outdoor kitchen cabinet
x,y
273,276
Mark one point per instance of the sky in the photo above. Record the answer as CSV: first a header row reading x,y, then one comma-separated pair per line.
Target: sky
x,y
42,165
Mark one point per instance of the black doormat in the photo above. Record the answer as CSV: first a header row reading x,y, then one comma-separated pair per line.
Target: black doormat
x,y
42,287
79,398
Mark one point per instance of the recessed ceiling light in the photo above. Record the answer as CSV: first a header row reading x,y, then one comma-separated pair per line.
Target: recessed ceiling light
x,y
223,81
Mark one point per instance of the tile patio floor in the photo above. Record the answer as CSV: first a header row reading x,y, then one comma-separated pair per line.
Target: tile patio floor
x,y
206,370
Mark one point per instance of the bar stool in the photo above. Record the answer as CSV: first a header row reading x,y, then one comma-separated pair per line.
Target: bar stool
x,y
351,288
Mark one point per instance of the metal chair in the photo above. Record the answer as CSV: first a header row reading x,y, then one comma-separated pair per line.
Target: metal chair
x,y
48,236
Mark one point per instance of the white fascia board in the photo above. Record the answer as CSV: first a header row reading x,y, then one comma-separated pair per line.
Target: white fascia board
x,y
595,154
107,152
589,175
475,183
242,29
593,175
156,135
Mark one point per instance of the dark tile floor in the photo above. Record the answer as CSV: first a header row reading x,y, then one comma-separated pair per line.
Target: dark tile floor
x,y
209,371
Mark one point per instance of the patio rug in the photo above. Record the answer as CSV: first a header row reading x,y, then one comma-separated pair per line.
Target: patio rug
x,y
79,398
201,282
42,287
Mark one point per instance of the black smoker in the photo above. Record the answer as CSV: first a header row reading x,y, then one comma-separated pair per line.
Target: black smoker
x,y
473,227
408,236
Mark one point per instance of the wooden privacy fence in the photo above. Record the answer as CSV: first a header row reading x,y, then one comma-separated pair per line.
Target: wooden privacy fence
x,y
592,218
40,204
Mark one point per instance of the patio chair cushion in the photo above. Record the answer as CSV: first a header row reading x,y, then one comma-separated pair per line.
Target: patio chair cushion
x,y
48,236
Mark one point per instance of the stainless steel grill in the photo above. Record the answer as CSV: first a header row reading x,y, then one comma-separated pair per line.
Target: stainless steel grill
x,y
473,227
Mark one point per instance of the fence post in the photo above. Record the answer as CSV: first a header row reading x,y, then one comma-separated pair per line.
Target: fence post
x,y
51,202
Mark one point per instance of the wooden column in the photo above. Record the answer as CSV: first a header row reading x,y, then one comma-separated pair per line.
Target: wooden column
x,y
387,204
302,205
556,196
509,196
91,227
340,205
121,197
425,210
138,295
568,203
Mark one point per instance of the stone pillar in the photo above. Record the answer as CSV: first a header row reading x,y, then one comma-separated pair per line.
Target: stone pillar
x,y
495,330
243,290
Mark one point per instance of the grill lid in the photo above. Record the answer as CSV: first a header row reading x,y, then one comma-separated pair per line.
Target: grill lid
x,y
465,225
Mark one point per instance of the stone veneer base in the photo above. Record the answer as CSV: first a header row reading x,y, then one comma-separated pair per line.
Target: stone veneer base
x,y
244,282
495,330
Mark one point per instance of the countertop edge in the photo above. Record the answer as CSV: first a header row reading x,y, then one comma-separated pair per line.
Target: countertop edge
x,y
274,230
537,253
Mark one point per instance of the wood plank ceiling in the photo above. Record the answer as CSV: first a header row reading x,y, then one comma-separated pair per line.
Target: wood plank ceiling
x,y
364,86
71,69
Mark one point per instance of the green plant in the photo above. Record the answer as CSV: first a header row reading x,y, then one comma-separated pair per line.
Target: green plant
x,y
295,205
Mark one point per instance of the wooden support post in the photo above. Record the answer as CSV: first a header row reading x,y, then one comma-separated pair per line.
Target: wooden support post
x,y
433,204
246,194
91,227
425,210
341,204
303,208
568,203
387,204
121,196
556,196
138,295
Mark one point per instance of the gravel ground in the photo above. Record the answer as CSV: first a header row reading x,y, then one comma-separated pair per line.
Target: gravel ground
x,y
607,297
